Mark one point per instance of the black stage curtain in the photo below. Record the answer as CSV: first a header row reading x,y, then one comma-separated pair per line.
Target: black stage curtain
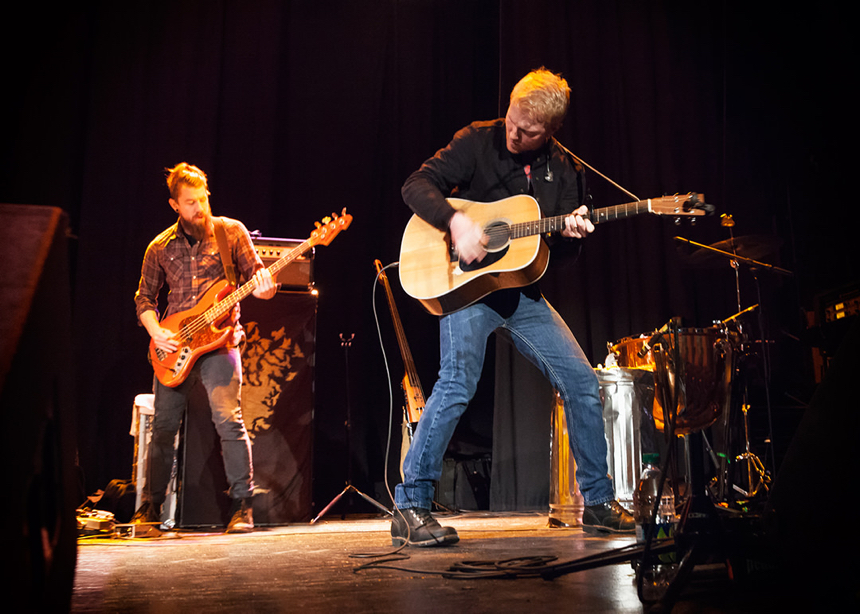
x,y
298,109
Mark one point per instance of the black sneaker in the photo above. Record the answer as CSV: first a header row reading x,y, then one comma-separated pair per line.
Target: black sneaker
x,y
416,525
607,517
242,517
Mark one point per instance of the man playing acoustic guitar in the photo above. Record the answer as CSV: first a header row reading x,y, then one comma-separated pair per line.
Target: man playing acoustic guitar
x,y
489,161
187,258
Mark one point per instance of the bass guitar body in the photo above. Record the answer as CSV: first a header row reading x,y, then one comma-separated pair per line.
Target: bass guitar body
x,y
196,336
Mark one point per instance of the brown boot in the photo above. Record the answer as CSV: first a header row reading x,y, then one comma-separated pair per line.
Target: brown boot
x,y
242,517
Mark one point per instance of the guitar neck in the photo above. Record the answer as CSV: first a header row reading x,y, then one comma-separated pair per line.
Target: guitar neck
x,y
597,216
405,352
619,212
217,311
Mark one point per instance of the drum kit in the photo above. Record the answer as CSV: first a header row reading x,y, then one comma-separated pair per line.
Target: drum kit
x,y
701,400
700,380
694,373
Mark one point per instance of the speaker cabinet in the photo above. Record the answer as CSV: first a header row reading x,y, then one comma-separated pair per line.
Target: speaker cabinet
x,y
37,447
277,406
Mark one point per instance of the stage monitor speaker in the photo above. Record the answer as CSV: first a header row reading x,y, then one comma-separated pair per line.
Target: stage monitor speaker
x,y
37,446
278,408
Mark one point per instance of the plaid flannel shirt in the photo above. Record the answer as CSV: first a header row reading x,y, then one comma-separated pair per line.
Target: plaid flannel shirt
x,y
190,271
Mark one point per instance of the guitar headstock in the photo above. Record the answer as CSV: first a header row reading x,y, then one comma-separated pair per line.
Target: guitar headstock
x,y
681,205
329,227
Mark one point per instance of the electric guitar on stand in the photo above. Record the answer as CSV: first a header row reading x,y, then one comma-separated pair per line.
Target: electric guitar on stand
x,y
413,393
430,269
207,326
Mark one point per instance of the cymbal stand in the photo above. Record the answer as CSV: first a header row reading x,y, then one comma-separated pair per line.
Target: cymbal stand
x,y
765,358
346,343
754,266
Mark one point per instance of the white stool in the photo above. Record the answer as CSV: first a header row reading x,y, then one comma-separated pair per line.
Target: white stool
x,y
141,430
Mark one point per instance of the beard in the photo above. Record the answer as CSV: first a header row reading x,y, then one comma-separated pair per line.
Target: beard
x,y
198,227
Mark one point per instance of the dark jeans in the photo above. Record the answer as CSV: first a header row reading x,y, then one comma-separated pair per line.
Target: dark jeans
x,y
220,372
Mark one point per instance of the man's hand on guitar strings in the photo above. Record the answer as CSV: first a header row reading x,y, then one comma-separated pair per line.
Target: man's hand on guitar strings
x,y
266,287
577,224
468,237
165,340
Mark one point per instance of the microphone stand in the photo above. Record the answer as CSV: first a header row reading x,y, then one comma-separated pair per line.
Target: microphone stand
x,y
346,343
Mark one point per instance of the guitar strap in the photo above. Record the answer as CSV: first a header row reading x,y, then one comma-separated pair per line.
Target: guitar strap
x,y
239,337
224,248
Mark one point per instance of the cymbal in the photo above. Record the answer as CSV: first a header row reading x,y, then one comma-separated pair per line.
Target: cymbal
x,y
754,247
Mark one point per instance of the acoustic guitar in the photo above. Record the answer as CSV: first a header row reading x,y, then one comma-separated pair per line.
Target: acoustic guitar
x,y
208,325
430,270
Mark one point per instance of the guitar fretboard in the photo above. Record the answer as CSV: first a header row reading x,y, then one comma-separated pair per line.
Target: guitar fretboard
x,y
556,223
219,309
618,212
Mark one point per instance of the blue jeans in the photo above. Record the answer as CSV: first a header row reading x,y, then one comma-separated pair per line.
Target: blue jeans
x,y
539,333
220,372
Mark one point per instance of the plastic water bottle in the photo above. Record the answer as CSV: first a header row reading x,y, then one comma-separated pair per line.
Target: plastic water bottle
x,y
645,495
657,570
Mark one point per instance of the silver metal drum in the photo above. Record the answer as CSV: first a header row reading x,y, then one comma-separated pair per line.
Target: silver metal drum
x,y
624,415
626,423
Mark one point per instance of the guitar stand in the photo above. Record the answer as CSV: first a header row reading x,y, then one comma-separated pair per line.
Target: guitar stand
x,y
346,343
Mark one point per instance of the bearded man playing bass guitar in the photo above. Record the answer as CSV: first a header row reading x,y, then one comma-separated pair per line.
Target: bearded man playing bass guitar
x,y
485,162
187,258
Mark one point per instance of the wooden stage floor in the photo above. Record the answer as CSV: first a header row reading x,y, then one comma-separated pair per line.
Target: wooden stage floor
x,y
316,568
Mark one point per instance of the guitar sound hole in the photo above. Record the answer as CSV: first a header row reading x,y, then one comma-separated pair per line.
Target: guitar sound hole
x,y
499,234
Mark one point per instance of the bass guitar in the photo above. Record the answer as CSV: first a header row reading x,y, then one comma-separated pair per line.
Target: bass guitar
x,y
208,326
430,270
414,394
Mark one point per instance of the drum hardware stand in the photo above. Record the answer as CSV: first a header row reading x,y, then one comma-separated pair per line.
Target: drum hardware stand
x,y
698,533
346,343
754,266
755,475
721,460
699,536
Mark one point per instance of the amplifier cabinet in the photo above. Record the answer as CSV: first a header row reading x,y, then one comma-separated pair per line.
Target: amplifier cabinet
x,y
278,410
298,274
